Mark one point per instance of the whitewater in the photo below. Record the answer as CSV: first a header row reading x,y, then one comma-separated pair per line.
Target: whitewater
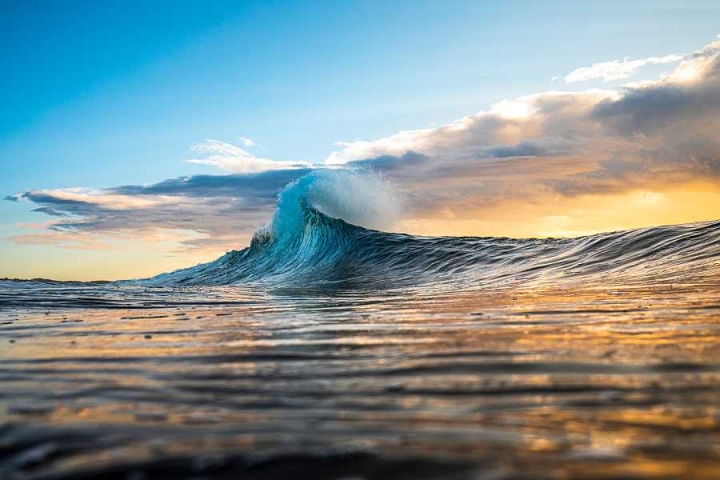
x,y
334,347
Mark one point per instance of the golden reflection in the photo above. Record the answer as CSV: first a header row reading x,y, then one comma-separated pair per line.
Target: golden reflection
x,y
576,377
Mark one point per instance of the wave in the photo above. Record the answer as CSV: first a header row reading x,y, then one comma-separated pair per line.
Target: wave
x,y
326,231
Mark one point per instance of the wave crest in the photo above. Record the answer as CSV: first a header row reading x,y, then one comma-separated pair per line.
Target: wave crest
x,y
362,198
322,234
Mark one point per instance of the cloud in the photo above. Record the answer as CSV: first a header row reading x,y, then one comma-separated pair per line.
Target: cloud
x,y
248,142
222,210
554,145
617,69
261,186
528,125
237,160
388,163
625,68
531,148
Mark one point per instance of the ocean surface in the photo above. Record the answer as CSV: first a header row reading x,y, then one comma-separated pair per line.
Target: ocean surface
x,y
331,350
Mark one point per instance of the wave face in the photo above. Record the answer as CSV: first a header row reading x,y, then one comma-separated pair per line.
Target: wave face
x,y
315,240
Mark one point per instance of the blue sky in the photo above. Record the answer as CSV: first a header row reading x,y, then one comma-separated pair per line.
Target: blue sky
x,y
101,94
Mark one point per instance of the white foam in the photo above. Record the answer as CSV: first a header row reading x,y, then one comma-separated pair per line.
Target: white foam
x,y
362,198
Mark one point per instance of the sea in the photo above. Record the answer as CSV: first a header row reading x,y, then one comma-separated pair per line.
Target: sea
x,y
328,349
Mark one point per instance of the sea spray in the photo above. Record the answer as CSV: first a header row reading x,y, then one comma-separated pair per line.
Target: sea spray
x,y
362,198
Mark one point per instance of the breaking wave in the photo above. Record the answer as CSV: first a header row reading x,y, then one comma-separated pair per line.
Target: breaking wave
x,y
326,230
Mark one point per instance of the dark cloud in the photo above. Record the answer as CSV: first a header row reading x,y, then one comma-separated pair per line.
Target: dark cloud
x,y
652,108
524,149
390,163
57,204
51,211
542,147
256,186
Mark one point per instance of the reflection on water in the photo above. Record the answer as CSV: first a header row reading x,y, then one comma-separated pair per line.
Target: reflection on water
x,y
586,382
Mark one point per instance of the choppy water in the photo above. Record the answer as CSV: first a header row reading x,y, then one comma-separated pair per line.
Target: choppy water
x,y
329,351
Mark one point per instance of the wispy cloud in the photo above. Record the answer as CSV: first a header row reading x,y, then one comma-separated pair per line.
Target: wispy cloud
x,y
237,160
625,68
248,142
617,69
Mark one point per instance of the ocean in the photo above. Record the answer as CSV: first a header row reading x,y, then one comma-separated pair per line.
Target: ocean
x,y
329,350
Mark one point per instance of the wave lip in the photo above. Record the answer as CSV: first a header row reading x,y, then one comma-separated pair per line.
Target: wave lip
x,y
307,245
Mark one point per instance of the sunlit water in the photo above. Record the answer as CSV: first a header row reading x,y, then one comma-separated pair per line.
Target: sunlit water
x,y
328,351
580,382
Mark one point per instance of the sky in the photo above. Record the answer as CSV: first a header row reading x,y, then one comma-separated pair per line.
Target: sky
x,y
140,137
